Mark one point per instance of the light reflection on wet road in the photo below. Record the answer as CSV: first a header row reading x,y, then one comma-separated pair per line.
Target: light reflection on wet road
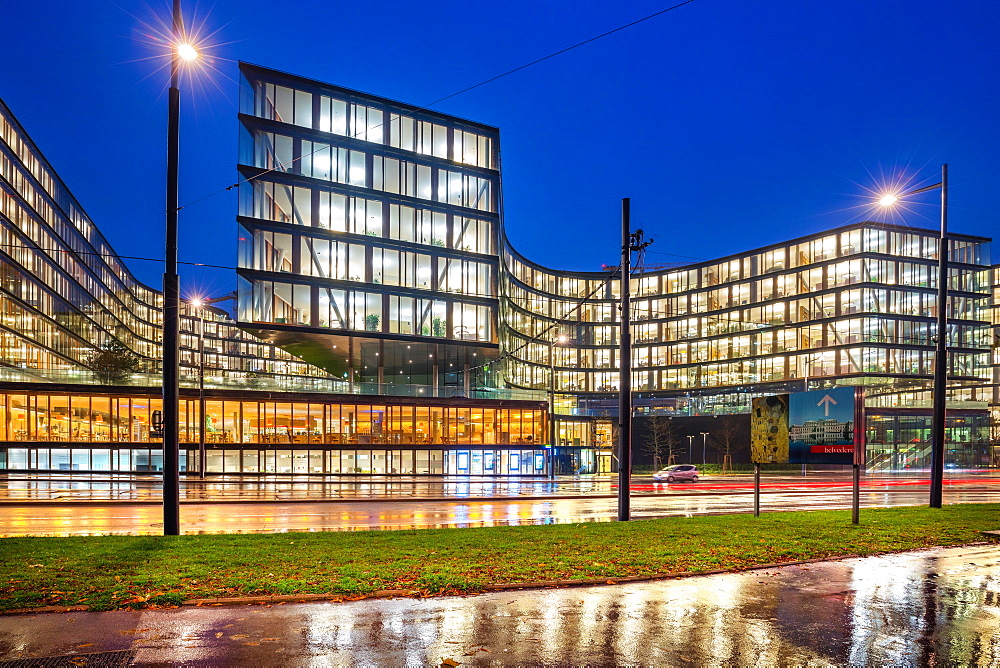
x,y
217,517
933,607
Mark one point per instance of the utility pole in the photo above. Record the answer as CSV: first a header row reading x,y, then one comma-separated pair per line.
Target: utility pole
x,y
630,242
171,302
939,401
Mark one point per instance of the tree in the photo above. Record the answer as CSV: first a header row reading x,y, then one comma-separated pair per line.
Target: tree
x,y
726,439
113,363
661,439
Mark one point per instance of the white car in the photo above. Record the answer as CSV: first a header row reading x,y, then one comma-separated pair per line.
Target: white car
x,y
677,473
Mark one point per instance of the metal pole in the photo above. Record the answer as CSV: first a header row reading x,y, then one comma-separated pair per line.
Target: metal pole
x,y
171,306
704,438
552,410
202,457
941,354
756,489
856,495
625,381
690,447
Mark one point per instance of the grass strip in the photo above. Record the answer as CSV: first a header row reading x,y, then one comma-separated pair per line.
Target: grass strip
x,y
119,572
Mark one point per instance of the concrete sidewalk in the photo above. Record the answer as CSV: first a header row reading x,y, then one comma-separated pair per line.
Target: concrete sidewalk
x,y
931,607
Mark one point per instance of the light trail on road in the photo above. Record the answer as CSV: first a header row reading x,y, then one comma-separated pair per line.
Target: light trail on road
x,y
218,517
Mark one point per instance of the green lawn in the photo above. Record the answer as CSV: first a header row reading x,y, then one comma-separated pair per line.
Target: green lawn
x,y
129,572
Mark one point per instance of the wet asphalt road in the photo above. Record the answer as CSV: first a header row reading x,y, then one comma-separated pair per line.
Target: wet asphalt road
x,y
221,517
936,607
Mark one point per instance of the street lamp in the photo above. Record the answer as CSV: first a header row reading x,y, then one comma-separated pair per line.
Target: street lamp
x,y
561,339
199,305
171,294
691,446
805,376
704,438
941,349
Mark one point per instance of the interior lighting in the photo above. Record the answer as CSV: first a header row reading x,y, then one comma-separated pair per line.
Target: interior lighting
x,y
321,163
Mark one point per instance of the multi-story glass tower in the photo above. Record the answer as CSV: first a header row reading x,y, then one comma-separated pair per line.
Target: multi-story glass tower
x,y
368,231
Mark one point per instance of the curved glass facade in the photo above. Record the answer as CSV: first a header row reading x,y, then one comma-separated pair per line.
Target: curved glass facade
x,y
853,306
64,292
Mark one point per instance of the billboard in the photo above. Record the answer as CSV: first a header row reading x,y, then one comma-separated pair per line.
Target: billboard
x,y
826,426
769,430
817,427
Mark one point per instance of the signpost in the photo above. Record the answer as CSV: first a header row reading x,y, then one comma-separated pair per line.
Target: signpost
x,y
816,427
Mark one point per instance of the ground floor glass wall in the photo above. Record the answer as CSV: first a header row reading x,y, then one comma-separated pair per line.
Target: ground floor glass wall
x,y
903,442
53,432
255,460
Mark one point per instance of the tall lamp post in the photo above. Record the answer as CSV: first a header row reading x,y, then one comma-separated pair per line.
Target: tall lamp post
x,y
171,293
690,446
941,341
556,340
704,438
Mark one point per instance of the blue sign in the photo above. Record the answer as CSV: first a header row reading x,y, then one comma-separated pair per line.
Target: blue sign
x,y
826,426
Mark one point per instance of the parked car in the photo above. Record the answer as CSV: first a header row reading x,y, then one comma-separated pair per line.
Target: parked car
x,y
677,473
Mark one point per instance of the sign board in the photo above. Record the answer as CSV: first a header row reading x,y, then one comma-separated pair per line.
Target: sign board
x,y
826,426
817,427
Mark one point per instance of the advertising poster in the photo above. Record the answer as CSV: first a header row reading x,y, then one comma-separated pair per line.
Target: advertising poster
x,y
769,430
824,426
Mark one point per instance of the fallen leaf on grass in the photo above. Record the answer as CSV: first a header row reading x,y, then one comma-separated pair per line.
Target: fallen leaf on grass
x,y
477,650
269,640
219,634
87,644
239,635
251,643
449,662
36,565
132,632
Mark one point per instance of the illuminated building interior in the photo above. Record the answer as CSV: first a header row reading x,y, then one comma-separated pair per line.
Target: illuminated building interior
x,y
372,260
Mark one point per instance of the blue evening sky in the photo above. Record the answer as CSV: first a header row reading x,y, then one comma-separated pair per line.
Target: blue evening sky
x,y
730,124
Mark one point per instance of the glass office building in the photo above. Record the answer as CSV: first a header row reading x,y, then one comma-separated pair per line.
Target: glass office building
x,y
368,229
377,294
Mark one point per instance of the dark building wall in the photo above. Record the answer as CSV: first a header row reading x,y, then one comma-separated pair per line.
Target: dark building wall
x,y
692,426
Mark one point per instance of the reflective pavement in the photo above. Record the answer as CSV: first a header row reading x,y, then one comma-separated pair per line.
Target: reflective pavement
x,y
932,607
216,517
49,487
